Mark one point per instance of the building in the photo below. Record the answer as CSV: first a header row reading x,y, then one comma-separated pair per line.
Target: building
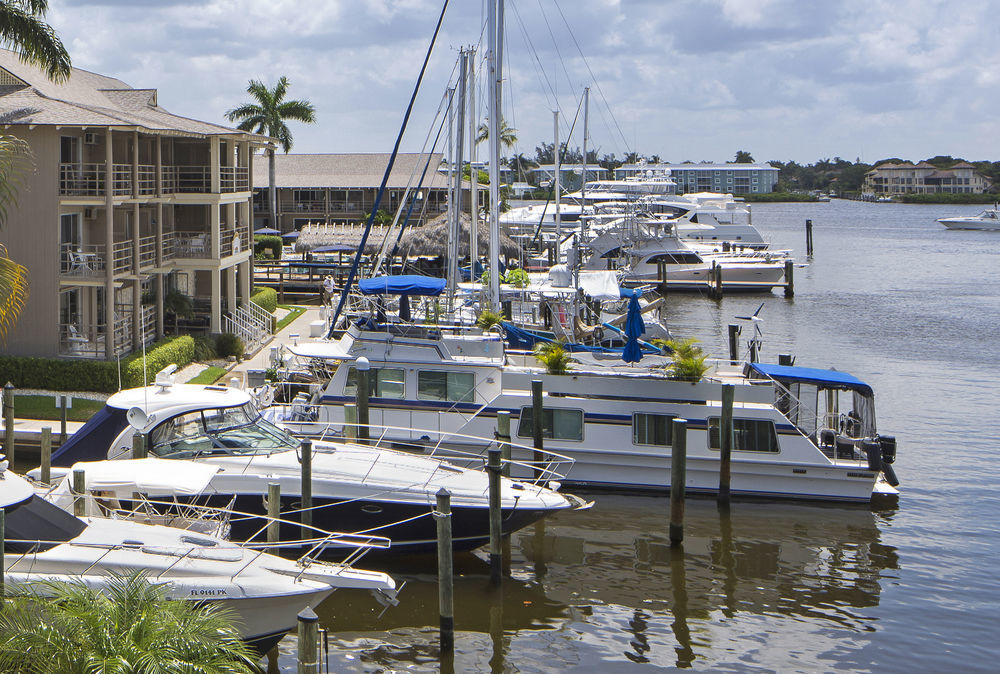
x,y
893,178
341,188
126,204
569,175
725,178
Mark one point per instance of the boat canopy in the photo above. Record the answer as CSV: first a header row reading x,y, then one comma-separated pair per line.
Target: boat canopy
x,y
407,284
810,375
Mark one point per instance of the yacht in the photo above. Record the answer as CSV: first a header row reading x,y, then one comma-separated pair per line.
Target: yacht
x,y
986,220
45,543
800,432
355,487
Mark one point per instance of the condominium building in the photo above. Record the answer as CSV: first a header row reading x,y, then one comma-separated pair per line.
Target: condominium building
x,y
340,189
893,178
126,204
725,178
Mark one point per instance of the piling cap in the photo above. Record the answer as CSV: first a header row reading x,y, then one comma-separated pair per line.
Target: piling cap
x,y
362,364
307,615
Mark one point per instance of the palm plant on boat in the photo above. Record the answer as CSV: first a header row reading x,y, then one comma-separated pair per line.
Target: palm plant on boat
x,y
687,360
553,356
488,318
517,278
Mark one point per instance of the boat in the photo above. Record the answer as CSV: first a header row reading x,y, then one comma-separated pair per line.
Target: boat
x,y
264,592
355,487
801,433
988,219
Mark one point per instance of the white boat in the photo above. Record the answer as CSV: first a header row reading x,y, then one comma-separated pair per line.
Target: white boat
x,y
986,220
355,487
613,420
45,543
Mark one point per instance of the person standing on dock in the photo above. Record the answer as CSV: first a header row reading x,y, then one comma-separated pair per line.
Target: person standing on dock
x,y
326,294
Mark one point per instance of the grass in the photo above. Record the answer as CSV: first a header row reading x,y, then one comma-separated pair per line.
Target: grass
x,y
293,313
209,375
44,407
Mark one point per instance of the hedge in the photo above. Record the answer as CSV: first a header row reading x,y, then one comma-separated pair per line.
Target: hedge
x,y
265,298
68,374
266,243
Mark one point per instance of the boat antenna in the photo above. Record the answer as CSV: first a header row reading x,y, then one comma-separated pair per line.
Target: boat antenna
x,y
385,179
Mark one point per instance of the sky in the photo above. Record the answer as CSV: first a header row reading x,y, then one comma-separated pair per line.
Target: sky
x,y
687,80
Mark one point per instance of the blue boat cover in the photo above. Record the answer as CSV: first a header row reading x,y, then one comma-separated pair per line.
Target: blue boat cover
x,y
525,340
410,284
811,375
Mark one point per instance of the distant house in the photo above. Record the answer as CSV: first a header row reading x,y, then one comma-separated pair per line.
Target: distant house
x,y
893,178
126,203
340,189
725,178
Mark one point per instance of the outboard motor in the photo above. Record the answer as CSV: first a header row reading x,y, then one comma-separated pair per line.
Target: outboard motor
x,y
887,444
872,450
845,447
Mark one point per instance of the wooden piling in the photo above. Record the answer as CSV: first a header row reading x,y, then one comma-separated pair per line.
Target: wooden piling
x,y
734,342
789,278
138,446
726,443
717,280
809,238
46,455
496,530
350,421
503,436
363,370
678,478
281,285
8,421
786,359
308,650
63,435
273,513
79,493
307,489
537,424
446,602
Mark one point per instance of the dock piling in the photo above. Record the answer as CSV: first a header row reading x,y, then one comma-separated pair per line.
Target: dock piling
x,y
138,446
446,603
809,238
64,403
363,368
273,512
503,437
726,444
46,455
308,651
8,421
79,493
307,488
734,342
496,528
350,421
537,424
789,278
678,478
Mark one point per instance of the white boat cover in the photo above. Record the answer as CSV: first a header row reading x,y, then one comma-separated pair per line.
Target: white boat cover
x,y
145,475
601,285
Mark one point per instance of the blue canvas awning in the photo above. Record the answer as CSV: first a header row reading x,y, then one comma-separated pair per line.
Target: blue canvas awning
x,y
410,284
811,375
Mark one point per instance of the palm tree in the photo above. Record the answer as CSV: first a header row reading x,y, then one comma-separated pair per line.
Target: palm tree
x,y
520,165
508,136
14,157
22,29
268,115
69,627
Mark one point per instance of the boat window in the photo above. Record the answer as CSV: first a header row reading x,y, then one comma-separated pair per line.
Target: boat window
x,y
451,386
557,423
383,382
36,524
230,430
749,435
652,429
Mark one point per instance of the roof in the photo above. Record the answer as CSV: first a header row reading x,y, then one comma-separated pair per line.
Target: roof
x,y
87,99
354,170
811,375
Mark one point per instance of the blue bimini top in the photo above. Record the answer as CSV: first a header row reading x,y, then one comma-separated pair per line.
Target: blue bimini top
x,y
409,284
811,375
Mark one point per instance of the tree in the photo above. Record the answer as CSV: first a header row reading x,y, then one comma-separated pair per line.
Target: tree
x,y
508,135
521,165
69,627
743,157
268,115
23,30
14,158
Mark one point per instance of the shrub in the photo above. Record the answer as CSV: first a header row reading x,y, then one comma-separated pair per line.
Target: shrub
x,y
266,247
204,348
178,351
553,356
517,278
687,360
228,344
488,318
265,298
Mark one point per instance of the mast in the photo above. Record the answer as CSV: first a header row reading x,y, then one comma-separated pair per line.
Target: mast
x,y
556,188
493,104
459,131
473,171
583,184
450,275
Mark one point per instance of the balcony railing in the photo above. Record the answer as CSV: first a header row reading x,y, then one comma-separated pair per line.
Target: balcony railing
x,y
147,251
148,324
81,180
192,245
147,180
191,179
81,261
122,257
234,179
234,241
87,180
169,246
122,175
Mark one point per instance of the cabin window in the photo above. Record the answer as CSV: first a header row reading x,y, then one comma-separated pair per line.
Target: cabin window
x,y
383,382
652,429
749,435
558,424
458,387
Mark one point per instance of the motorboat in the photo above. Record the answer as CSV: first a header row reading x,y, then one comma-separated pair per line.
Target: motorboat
x,y
355,487
986,220
801,433
264,592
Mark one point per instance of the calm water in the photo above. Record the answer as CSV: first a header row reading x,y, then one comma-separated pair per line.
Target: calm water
x,y
890,296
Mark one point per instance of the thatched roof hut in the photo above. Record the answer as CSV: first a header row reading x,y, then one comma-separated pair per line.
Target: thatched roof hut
x,y
432,239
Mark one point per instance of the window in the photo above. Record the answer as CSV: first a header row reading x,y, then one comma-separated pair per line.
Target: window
x,y
451,386
557,424
749,435
383,382
652,429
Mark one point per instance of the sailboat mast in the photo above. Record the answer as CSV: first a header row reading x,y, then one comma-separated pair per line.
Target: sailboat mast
x,y
451,193
556,185
493,105
473,171
583,184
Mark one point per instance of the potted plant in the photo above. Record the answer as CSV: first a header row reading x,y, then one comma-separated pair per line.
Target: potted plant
x,y
553,356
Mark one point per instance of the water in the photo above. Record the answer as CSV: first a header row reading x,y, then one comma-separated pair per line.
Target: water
x,y
890,296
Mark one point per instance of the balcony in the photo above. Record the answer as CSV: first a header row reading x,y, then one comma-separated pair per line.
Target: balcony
x,y
234,179
192,245
81,340
81,180
87,180
147,251
234,241
78,261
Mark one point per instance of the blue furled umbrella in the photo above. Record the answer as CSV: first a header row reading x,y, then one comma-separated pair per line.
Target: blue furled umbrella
x,y
634,327
266,231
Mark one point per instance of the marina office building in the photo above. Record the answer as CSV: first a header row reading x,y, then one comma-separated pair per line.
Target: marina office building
x,y
726,178
124,203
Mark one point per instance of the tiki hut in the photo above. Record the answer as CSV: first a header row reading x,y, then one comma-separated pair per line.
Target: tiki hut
x,y
432,239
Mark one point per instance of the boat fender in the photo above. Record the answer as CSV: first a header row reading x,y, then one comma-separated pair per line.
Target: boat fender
x,y
888,443
872,450
890,475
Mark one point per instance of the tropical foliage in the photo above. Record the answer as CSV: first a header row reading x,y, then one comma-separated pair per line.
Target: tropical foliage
x,y
488,318
22,28
687,360
517,278
508,135
268,112
14,158
553,356
69,627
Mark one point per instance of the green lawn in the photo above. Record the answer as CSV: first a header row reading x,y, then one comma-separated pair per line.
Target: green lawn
x,y
44,407
209,375
294,312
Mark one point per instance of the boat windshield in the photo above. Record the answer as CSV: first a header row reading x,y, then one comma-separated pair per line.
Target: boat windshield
x,y
218,431
36,524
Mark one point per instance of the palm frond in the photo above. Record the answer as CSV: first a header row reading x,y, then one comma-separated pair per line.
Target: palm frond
x,y
22,28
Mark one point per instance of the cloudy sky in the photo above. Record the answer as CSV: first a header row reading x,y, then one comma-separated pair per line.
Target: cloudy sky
x,y
684,79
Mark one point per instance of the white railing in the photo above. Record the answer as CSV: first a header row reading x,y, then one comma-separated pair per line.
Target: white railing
x,y
248,327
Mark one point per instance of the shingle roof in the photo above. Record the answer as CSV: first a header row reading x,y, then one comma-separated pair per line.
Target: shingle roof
x,y
89,99
349,170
